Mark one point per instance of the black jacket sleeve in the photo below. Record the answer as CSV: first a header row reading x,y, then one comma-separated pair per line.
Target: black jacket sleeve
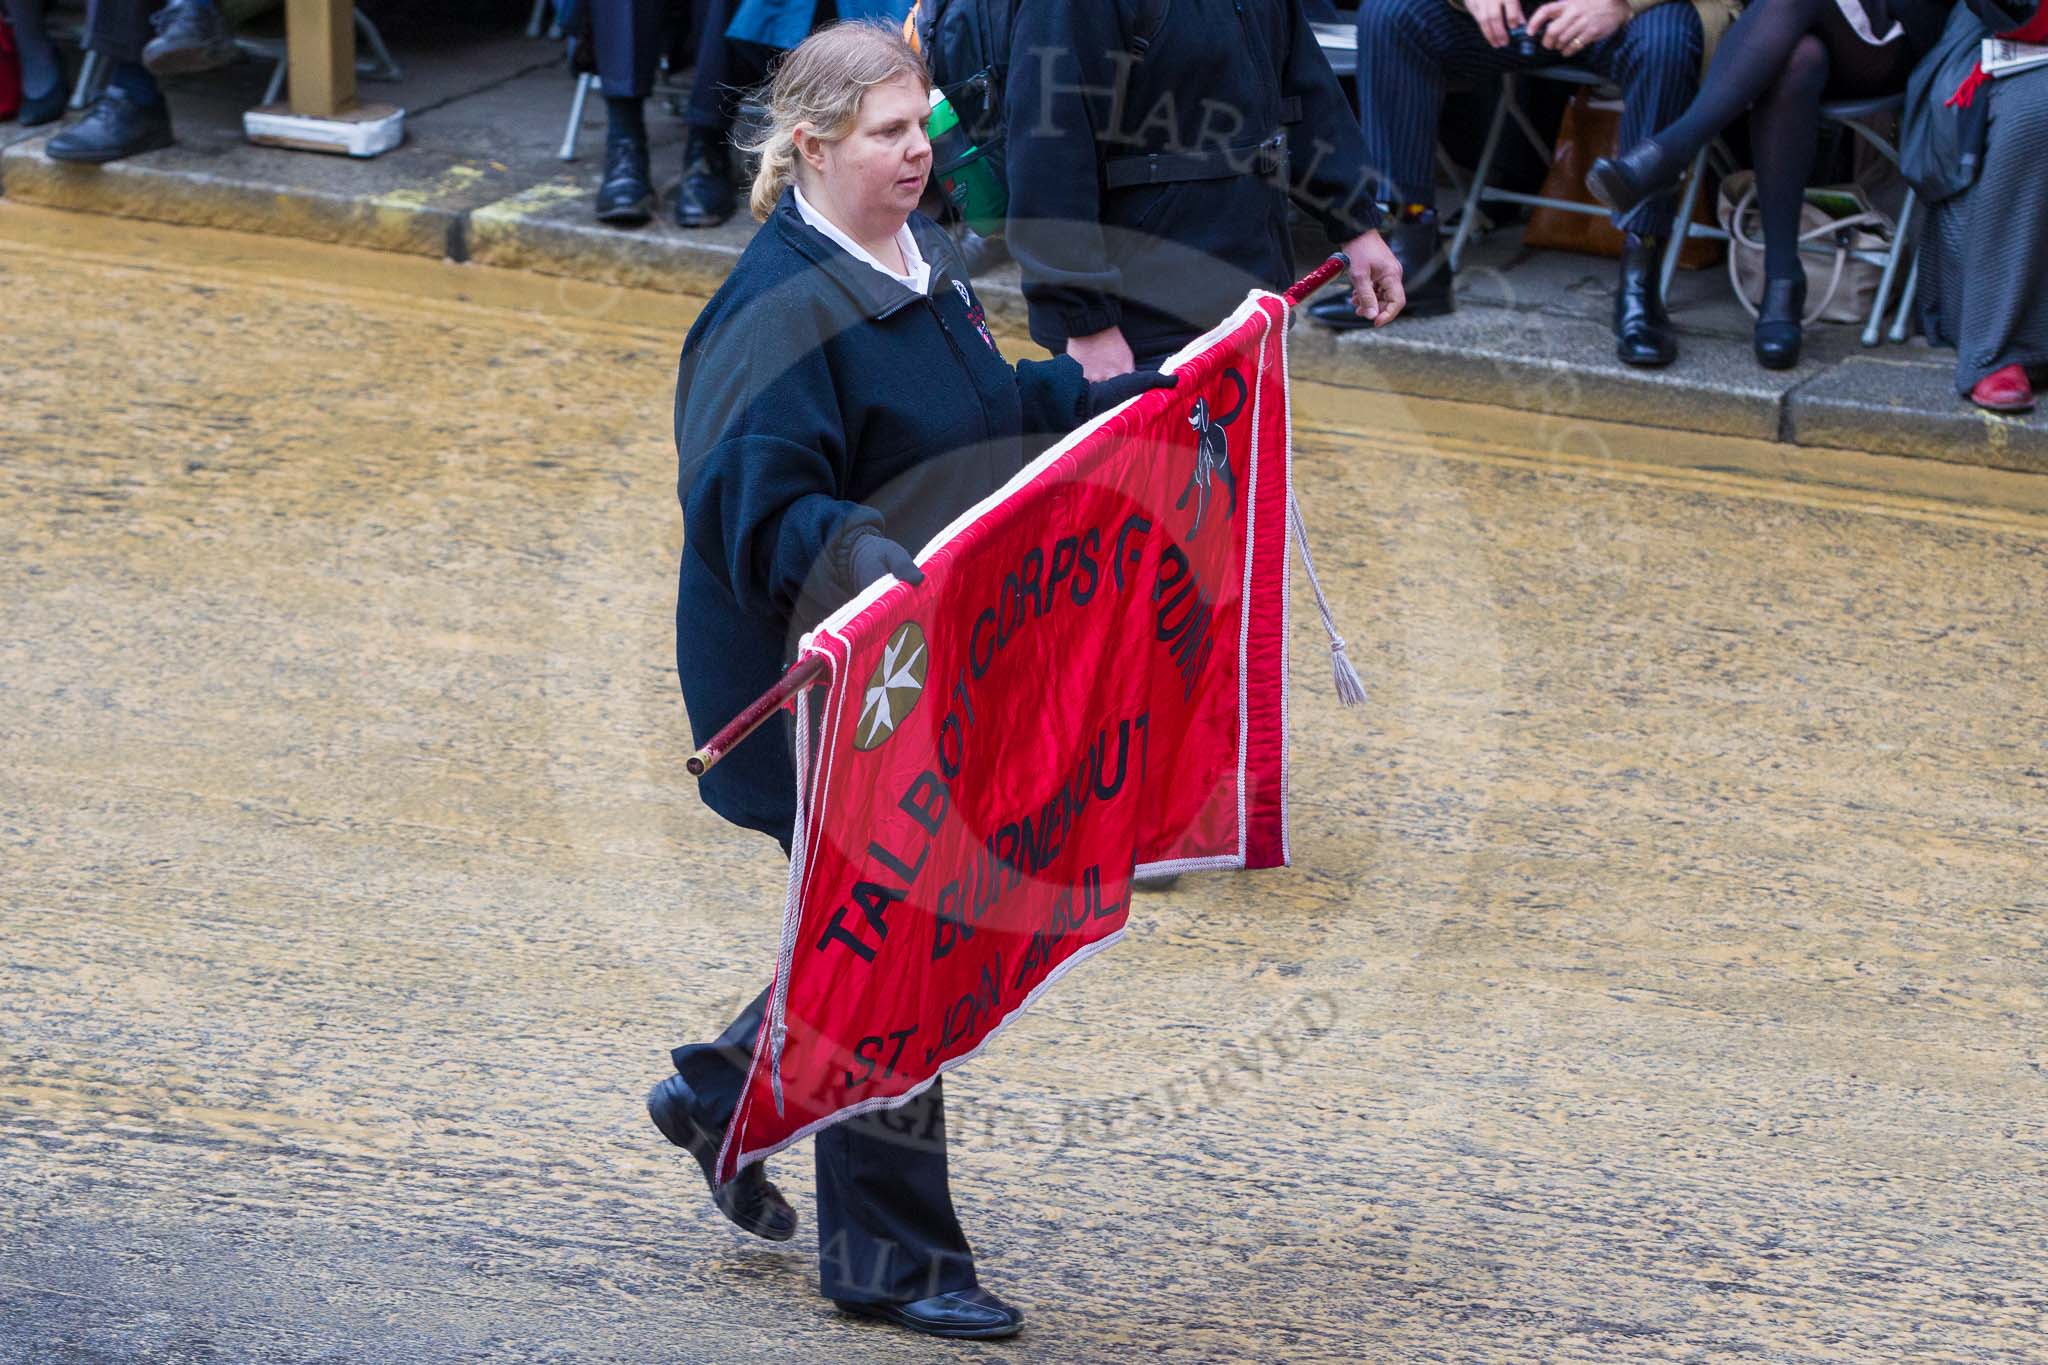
x,y
762,447
1327,171
1054,395
1064,72
2002,16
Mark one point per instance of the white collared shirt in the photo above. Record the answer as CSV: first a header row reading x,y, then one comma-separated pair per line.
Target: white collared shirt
x,y
917,279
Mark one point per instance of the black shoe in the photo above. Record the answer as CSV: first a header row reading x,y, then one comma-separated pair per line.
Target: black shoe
x,y
706,198
49,106
1425,276
190,36
1780,323
972,1313
1642,329
750,1200
113,127
1621,182
626,196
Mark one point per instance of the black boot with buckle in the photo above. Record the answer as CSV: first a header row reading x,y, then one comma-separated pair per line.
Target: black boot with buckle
x,y
1642,329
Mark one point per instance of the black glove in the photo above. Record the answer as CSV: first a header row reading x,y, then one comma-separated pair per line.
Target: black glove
x,y
868,556
1110,392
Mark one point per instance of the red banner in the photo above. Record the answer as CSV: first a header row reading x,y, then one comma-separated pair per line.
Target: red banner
x,y
1092,679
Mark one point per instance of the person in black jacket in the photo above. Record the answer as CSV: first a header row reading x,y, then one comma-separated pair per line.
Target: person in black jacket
x,y
839,398
1153,149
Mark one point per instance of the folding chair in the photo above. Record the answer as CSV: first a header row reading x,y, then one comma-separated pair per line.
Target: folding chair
x,y
1510,107
1856,116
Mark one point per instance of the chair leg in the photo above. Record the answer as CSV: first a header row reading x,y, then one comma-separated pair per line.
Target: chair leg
x,y
275,90
386,69
1469,215
583,84
90,73
1681,223
1902,241
1908,296
540,13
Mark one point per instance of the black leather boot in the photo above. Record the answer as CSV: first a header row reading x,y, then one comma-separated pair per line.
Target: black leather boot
x,y
706,198
191,36
1780,323
1642,329
626,197
1425,276
115,126
1621,182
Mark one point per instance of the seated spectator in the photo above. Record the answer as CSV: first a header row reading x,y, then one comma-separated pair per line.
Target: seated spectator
x,y
130,115
1408,49
1779,60
43,78
1974,146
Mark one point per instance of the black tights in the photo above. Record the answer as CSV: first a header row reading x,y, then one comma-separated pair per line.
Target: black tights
x,y
1777,61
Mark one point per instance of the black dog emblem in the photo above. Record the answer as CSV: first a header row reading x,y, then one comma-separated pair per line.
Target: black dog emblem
x,y
1212,454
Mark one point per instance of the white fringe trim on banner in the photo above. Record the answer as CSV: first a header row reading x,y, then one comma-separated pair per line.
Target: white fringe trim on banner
x,y
793,902
1350,688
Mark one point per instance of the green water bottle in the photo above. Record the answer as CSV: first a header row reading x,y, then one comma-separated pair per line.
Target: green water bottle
x,y
965,172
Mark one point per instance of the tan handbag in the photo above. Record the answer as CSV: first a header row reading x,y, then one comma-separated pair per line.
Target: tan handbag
x,y
1590,129
1838,217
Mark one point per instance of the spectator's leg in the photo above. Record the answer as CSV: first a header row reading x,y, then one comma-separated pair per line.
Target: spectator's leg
x,y
1406,49
118,29
1747,59
1655,59
725,71
1784,130
41,70
627,36
711,101
131,116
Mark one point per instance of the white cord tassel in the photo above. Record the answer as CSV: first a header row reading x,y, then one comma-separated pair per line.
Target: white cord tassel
x,y
1350,688
792,909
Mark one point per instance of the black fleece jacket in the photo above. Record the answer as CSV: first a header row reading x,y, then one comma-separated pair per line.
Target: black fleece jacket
x,y
816,396
1167,261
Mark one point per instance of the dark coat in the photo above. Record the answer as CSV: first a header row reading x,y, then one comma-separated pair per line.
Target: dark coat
x,y
1167,261
1941,146
816,395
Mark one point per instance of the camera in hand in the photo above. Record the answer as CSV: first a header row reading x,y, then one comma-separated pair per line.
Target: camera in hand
x,y
1527,45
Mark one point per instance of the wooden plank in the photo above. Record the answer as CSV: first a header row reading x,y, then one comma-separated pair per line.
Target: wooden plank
x,y
320,44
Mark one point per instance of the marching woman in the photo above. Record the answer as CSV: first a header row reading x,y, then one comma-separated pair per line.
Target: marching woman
x,y
839,399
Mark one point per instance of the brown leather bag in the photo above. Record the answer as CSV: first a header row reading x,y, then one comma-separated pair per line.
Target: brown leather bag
x,y
1590,129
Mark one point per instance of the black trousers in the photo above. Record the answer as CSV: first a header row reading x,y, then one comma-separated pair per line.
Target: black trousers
x,y
1408,49
887,1232
629,39
119,29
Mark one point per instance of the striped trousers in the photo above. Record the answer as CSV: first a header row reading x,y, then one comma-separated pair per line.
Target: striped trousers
x,y
1409,49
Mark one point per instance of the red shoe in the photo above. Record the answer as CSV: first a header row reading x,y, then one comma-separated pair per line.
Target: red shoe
x,y
2004,390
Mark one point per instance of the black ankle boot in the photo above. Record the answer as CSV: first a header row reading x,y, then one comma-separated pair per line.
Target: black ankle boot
x,y
1621,182
1425,275
1642,329
706,198
626,197
1780,323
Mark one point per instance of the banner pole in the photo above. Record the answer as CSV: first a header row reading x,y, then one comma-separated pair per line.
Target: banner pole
x,y
1317,278
805,673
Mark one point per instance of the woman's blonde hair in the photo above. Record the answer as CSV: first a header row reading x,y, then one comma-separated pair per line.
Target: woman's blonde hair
x,y
822,83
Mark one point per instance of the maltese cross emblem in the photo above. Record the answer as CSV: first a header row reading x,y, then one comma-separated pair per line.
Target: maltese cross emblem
x,y
893,688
